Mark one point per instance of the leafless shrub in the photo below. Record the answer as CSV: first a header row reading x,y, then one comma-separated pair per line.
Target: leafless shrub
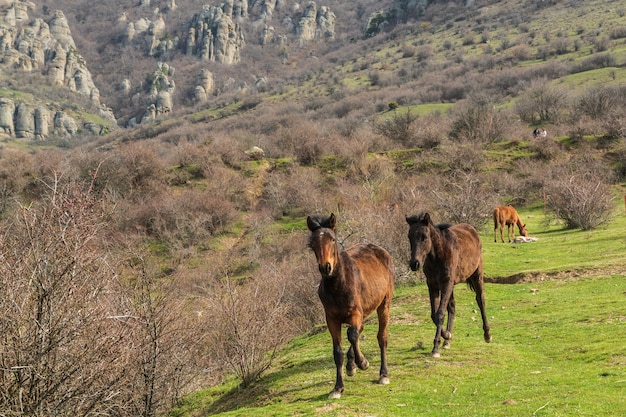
x,y
561,45
398,128
477,120
578,194
188,217
164,347
597,101
60,351
546,150
464,157
249,322
541,102
431,131
463,198
292,192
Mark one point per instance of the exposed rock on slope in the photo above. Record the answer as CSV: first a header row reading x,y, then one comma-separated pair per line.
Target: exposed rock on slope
x,y
49,49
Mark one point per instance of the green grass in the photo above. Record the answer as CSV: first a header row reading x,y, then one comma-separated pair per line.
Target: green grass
x,y
556,351
557,249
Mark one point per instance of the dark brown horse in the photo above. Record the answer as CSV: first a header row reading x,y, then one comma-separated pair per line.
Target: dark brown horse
x,y
506,216
355,282
449,254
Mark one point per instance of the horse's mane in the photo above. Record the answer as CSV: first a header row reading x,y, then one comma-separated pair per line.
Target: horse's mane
x,y
443,226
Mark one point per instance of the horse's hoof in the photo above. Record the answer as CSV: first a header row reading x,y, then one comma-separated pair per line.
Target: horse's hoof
x,y
334,395
435,354
383,380
351,372
446,344
364,365
487,338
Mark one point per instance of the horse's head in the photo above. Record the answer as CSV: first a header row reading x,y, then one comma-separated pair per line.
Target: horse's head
x,y
523,231
419,238
324,243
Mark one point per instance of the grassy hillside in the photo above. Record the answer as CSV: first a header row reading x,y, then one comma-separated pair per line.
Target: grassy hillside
x,y
557,311
555,352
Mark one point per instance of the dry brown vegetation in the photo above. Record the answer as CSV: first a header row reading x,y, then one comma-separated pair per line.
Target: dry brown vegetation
x,y
151,262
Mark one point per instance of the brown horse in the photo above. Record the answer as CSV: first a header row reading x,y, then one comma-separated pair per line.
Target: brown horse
x,y
507,216
354,283
448,255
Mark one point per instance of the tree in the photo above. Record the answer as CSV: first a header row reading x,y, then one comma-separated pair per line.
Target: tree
x,y
59,350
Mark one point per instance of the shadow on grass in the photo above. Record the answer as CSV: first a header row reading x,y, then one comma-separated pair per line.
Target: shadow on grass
x,y
260,393
265,392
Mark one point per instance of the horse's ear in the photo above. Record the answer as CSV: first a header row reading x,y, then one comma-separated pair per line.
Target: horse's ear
x,y
332,221
411,219
425,218
312,224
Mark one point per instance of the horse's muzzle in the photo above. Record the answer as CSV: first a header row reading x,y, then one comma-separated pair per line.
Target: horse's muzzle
x,y
415,265
325,269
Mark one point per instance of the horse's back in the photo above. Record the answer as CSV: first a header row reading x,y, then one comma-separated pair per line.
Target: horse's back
x,y
505,215
375,271
465,242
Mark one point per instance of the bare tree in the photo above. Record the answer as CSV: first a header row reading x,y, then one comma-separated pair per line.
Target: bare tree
x,y
59,352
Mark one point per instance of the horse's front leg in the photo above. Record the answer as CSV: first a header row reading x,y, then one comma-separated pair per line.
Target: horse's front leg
x,y
334,327
439,317
447,334
433,293
355,356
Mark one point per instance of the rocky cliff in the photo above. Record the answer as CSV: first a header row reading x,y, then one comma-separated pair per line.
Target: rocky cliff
x,y
47,48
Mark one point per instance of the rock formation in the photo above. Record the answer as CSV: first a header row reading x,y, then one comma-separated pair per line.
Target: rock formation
x,y
46,47
213,36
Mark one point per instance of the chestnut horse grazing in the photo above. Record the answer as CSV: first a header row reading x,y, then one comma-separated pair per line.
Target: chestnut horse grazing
x,y
355,282
448,254
507,216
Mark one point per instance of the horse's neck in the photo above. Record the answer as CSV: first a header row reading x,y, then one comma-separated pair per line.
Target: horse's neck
x,y
343,262
436,240
518,222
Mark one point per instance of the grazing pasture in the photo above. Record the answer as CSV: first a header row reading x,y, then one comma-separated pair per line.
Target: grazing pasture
x,y
558,251
557,348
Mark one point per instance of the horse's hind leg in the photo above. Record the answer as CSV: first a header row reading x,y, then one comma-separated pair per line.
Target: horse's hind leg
x,y
479,286
383,322
447,334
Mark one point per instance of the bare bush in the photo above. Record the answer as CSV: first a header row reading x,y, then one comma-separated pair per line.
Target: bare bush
x,y
541,102
249,322
164,347
398,128
464,198
578,194
597,101
59,350
186,218
477,120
